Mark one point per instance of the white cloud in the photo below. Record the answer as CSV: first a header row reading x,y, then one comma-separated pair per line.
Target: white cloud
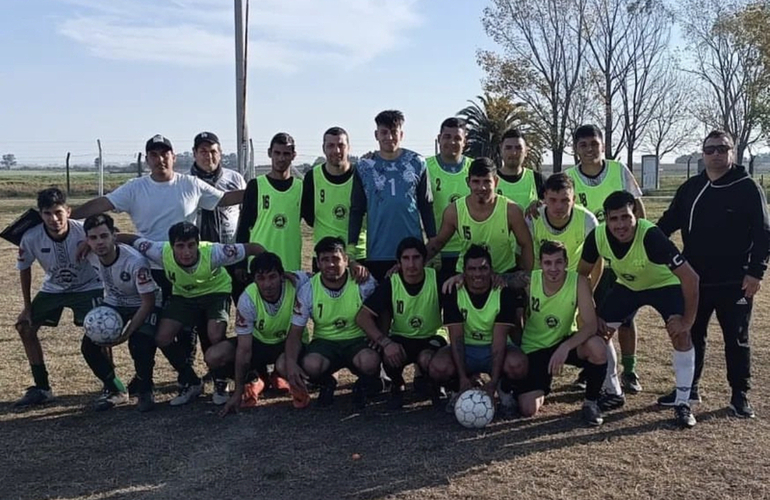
x,y
285,35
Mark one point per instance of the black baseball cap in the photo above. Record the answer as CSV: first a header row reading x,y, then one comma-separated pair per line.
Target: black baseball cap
x,y
209,137
158,141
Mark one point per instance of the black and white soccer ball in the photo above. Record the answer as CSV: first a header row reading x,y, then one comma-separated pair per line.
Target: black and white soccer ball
x,y
104,326
474,409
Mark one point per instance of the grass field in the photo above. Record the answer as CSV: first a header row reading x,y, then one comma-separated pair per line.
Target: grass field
x,y
65,451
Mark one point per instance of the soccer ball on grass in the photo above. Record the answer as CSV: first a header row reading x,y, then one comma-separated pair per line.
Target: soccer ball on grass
x,y
474,409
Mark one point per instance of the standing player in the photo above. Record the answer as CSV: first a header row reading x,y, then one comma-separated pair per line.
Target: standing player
x,y
551,337
332,300
392,189
130,290
485,218
595,179
480,320
519,184
67,283
403,316
722,215
448,175
650,271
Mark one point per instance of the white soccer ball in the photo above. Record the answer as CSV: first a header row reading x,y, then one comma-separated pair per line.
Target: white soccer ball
x,y
104,326
474,409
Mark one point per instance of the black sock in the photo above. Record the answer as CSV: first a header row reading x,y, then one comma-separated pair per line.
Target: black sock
x,y
40,375
177,356
594,380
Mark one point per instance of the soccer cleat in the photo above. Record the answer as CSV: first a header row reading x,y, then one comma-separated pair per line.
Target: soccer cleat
x,y
187,393
251,392
592,414
299,398
739,404
359,393
220,395
396,399
145,402
279,383
326,394
670,398
609,402
684,417
580,381
110,399
34,396
630,383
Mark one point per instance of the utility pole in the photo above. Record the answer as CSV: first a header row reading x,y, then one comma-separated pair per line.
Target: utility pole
x,y
241,63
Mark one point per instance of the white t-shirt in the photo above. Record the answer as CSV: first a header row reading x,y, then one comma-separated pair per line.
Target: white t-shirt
x,y
303,309
126,279
221,255
247,309
63,273
156,206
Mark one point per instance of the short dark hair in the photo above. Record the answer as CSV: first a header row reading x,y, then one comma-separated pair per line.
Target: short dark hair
x,y
50,197
549,247
390,118
98,220
618,200
336,131
558,181
266,262
183,231
453,122
476,252
283,139
513,133
718,134
329,244
585,131
411,242
482,167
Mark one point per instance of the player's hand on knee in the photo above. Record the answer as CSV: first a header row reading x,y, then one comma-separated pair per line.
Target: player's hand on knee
x,y
603,329
296,376
558,358
490,388
452,284
394,354
677,329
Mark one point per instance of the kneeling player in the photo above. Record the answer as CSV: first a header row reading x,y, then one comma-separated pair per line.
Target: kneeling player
x,y
263,320
650,272
408,306
550,339
480,320
332,299
130,290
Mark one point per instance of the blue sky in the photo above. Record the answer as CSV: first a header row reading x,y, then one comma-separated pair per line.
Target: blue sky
x,y
123,71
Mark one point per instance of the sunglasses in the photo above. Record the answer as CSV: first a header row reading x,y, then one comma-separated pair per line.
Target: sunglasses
x,y
710,150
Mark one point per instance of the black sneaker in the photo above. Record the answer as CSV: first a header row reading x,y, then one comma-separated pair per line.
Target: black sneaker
x,y
396,400
326,394
359,393
145,401
630,383
684,417
34,396
580,381
739,404
670,398
609,402
592,414
110,399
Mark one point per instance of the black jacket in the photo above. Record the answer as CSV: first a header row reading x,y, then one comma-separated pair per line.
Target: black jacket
x,y
724,226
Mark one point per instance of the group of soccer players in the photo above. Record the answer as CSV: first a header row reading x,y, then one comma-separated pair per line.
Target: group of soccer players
x,y
518,276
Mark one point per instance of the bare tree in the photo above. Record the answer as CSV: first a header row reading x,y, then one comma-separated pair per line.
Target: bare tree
x,y
672,126
543,60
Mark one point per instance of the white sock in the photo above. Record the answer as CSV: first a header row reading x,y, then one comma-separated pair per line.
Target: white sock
x,y
611,381
684,370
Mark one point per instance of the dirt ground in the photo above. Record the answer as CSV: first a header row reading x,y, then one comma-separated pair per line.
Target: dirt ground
x,y
66,451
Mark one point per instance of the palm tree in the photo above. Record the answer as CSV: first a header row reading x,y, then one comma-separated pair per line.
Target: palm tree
x,y
489,119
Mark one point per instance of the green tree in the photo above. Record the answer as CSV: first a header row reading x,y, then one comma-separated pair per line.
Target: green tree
x,y
8,161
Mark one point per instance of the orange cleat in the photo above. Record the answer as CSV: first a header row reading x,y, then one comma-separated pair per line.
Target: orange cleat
x,y
251,393
279,383
300,397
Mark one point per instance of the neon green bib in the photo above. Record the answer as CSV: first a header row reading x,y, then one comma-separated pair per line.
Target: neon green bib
x,y
573,236
278,222
416,316
479,323
550,319
447,188
523,192
203,281
335,318
332,210
635,270
272,329
592,197
491,233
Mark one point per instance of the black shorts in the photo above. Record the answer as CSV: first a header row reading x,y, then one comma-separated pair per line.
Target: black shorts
x,y
603,290
622,303
262,354
538,378
379,268
413,347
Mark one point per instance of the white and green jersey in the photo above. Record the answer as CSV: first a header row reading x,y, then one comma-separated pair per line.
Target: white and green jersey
x,y
248,318
126,279
63,272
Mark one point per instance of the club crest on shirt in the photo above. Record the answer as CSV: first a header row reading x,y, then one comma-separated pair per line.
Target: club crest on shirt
x,y
240,321
415,322
230,250
144,246
628,277
124,276
340,323
340,212
552,321
143,276
279,221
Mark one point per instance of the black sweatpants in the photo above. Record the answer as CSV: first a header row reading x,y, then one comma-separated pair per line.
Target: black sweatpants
x,y
733,311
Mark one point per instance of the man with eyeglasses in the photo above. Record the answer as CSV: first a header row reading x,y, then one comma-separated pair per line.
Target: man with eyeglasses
x,y
722,215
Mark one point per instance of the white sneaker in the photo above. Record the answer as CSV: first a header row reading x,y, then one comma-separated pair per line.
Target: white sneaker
x,y
187,393
220,395
108,400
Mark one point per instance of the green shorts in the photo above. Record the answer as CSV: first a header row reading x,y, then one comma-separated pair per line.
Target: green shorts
x,y
47,307
186,310
150,322
340,353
